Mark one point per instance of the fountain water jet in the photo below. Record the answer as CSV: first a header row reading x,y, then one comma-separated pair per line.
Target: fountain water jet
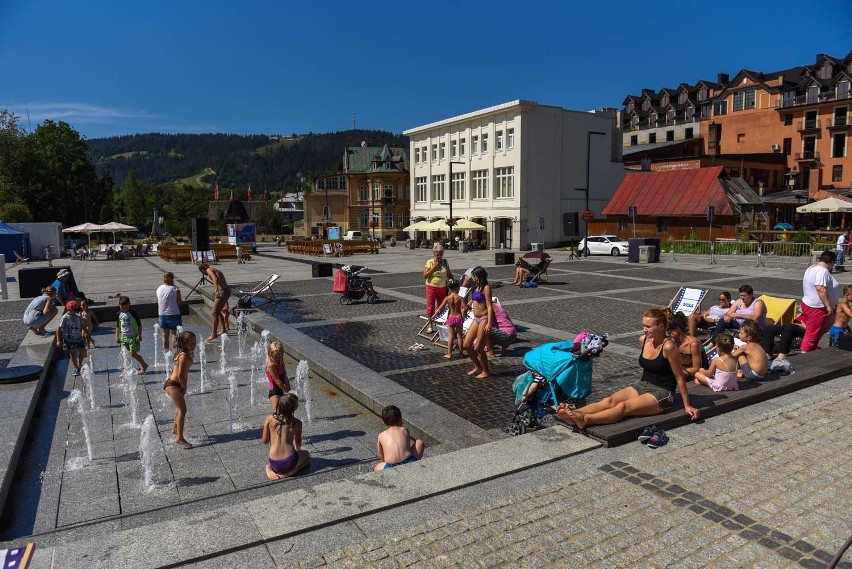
x,y
304,388
157,339
76,400
149,444
223,354
89,382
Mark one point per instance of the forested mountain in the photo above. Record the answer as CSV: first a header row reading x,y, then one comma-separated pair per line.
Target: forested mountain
x,y
267,163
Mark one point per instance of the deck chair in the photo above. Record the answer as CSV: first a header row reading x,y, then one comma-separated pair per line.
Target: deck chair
x,y
779,310
20,259
264,289
326,250
538,274
439,319
196,257
209,256
687,301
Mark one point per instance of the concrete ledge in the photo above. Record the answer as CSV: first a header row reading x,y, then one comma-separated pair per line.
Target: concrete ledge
x,y
19,402
431,422
200,536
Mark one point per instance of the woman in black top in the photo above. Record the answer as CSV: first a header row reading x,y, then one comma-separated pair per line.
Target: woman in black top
x,y
662,371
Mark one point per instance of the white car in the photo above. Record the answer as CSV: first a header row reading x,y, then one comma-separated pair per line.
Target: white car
x,y
604,245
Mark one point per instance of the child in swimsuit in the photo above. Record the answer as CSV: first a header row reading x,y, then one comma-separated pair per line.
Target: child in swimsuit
x,y
91,320
283,432
753,360
722,374
483,318
395,445
175,385
842,314
455,318
276,375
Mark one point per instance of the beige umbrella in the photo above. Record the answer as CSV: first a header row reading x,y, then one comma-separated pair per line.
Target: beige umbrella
x,y
828,205
114,227
419,226
467,225
87,228
437,225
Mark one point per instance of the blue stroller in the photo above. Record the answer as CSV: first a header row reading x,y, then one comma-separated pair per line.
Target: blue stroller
x,y
558,372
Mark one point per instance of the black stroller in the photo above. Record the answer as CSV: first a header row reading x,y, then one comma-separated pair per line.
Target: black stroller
x,y
352,285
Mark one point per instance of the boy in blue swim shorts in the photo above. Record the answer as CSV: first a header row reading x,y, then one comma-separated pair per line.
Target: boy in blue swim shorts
x,y
842,314
395,445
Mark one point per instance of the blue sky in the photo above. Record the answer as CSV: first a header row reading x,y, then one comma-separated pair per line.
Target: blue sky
x,y
111,68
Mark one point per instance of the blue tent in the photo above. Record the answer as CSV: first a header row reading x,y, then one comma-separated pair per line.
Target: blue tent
x,y
12,240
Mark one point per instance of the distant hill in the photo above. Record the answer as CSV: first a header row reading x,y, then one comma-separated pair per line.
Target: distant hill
x,y
234,161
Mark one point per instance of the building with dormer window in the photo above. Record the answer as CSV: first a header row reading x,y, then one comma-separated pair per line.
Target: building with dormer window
x,y
369,193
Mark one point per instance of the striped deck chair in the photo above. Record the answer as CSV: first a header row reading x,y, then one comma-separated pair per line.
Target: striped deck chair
x,y
687,300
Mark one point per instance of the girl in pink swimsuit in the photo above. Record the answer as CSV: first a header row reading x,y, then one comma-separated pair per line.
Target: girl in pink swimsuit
x,y
456,309
722,375
276,375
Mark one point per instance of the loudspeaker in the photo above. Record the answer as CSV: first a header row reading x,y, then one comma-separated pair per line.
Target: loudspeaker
x,y
200,234
32,279
571,224
321,270
710,213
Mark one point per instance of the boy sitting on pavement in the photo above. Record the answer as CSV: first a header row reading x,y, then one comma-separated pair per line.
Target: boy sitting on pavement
x,y
752,358
71,335
395,445
842,314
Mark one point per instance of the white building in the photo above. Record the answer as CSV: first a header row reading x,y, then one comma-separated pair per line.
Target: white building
x,y
519,168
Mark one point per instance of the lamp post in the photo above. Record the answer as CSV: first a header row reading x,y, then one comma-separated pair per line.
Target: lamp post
x,y
586,189
452,221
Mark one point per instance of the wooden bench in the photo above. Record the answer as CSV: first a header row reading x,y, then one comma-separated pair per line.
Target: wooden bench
x,y
811,368
179,253
317,249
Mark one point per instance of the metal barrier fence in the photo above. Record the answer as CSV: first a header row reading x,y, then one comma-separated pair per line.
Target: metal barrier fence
x,y
773,252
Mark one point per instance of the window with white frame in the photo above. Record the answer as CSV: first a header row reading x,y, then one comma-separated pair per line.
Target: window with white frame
x,y
375,191
388,190
484,142
434,152
510,138
505,182
474,144
417,155
458,185
462,142
480,184
424,155
420,184
454,148
388,220
443,150
842,89
838,146
702,94
365,219
750,98
438,188
363,193
498,140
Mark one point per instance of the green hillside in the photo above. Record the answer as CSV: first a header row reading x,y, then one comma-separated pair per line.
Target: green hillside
x,y
267,163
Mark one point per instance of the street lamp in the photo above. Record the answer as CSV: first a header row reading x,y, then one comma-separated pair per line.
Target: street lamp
x,y
586,189
451,221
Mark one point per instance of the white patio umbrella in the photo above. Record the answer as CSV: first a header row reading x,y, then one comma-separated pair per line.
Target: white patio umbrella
x,y
87,228
467,225
114,227
828,205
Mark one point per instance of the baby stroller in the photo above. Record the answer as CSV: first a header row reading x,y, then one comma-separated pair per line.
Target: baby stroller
x,y
353,285
559,372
